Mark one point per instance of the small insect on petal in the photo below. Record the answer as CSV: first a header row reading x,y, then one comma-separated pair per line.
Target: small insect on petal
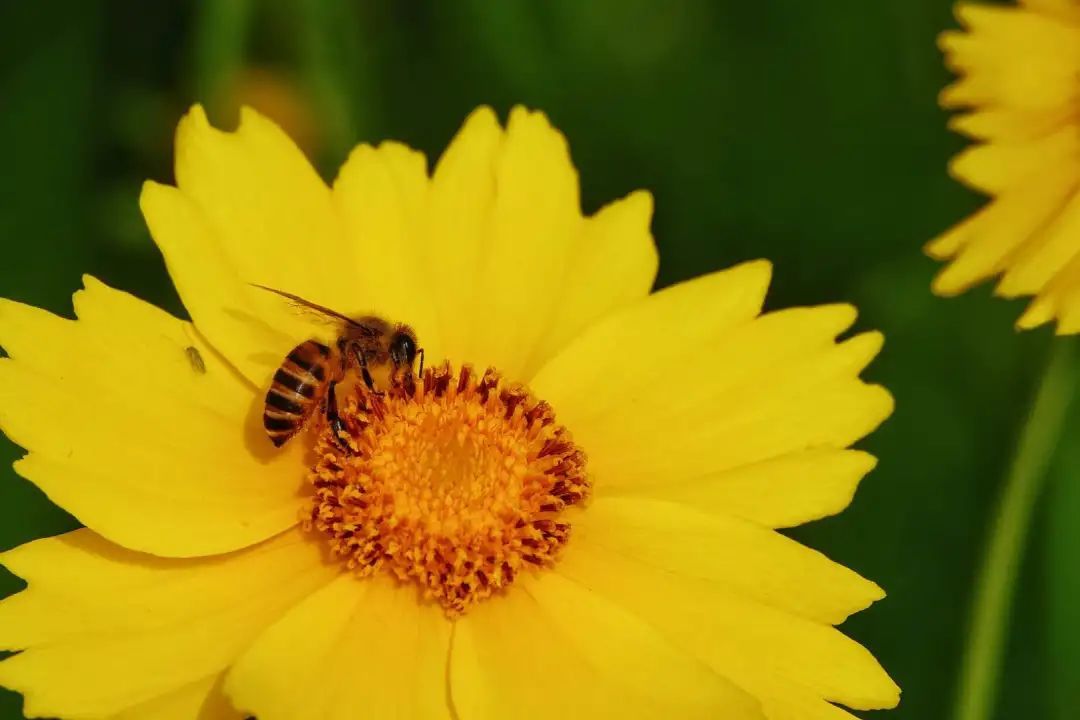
x,y
195,358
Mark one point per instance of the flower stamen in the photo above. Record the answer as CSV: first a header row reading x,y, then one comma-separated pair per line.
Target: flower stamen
x,y
455,482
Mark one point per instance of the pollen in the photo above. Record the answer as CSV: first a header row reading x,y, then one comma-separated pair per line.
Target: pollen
x,y
456,482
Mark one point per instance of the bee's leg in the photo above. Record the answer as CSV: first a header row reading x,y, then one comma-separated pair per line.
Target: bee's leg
x,y
361,360
337,425
368,380
420,352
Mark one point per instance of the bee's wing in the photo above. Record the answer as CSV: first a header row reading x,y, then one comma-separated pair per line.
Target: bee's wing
x,y
309,309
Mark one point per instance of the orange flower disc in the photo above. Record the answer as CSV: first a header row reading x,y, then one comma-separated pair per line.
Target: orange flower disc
x,y
455,482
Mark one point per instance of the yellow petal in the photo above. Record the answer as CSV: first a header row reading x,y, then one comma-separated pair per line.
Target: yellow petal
x,y
1060,299
1039,311
513,267
133,436
356,648
201,699
614,265
950,242
780,492
1010,124
984,243
965,92
985,55
552,648
1004,22
453,231
249,209
751,561
1065,9
1037,262
104,629
657,330
381,195
791,664
1069,315
763,389
250,327
995,167
534,224
272,215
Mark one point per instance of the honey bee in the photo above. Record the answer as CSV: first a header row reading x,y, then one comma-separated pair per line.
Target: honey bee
x,y
308,377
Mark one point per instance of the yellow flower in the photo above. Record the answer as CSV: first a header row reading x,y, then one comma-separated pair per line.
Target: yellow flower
x,y
601,544
1018,69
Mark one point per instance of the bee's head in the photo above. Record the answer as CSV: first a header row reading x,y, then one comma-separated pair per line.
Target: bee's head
x,y
403,348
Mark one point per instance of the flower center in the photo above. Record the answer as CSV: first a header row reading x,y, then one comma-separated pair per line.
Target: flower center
x,y
453,481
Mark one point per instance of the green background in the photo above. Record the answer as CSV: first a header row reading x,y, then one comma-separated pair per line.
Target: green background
x,y
804,132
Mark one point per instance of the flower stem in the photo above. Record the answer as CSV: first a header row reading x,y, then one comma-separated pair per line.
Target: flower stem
x,y
994,592
220,35
331,39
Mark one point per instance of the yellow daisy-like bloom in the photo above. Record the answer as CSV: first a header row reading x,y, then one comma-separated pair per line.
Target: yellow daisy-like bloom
x,y
1019,69
586,531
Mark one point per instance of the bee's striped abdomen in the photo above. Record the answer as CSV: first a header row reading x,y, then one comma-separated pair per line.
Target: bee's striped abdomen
x,y
296,391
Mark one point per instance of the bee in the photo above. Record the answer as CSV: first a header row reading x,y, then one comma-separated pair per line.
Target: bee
x,y
308,377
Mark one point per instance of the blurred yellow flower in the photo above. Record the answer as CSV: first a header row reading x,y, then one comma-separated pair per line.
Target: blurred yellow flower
x,y
279,97
1018,68
629,497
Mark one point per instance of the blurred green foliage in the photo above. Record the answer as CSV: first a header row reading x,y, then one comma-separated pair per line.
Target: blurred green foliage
x,y
806,133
